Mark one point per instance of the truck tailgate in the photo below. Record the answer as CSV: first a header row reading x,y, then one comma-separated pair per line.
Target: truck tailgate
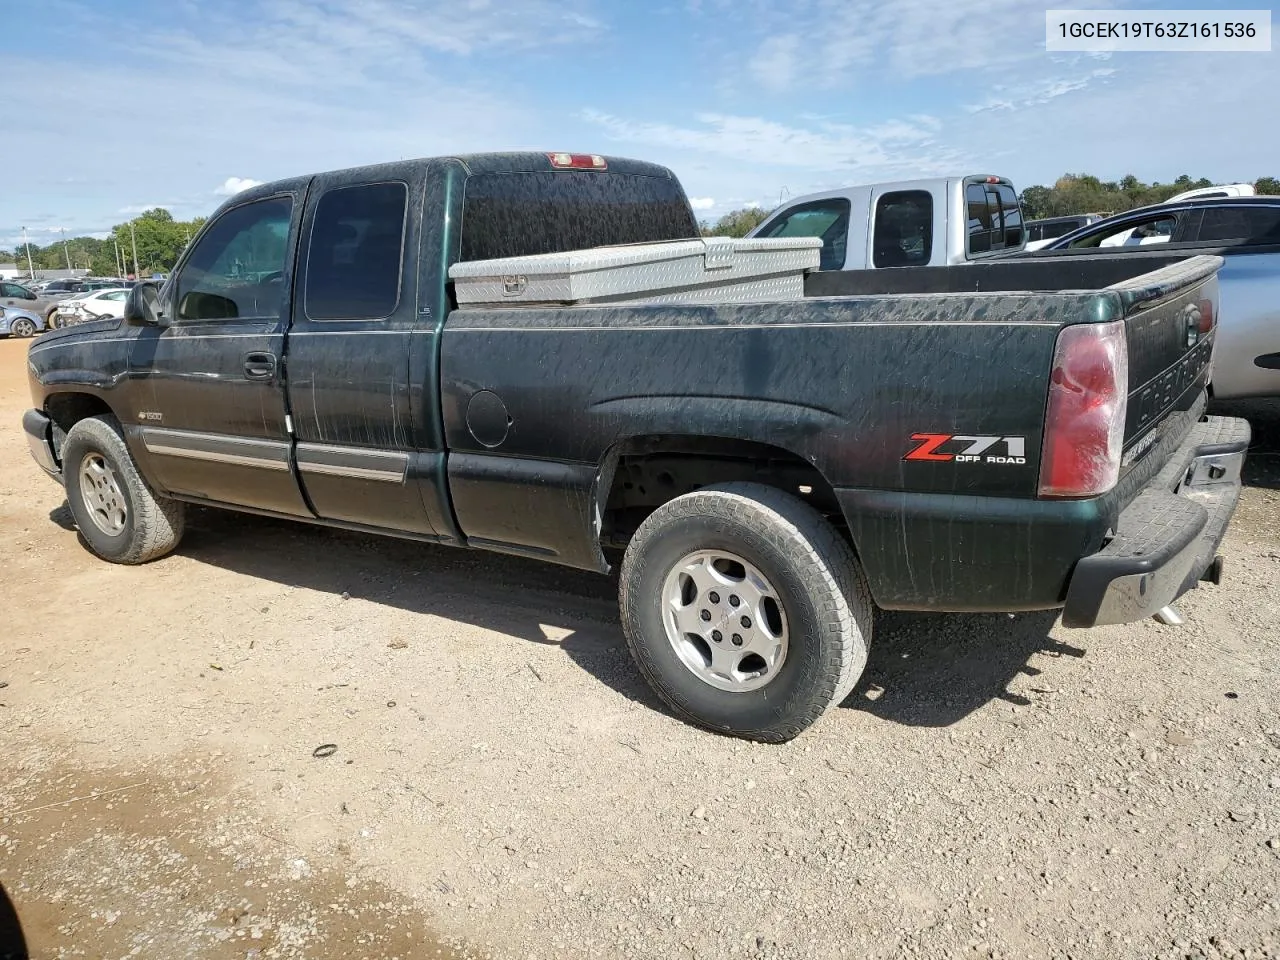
x,y
1170,320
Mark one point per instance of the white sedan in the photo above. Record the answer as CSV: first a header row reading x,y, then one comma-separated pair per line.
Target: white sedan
x,y
92,305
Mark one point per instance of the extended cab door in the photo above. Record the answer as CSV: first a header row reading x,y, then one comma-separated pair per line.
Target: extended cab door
x,y
907,228
206,396
360,420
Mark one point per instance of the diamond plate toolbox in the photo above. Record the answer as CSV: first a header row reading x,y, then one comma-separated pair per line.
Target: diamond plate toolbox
x,y
696,271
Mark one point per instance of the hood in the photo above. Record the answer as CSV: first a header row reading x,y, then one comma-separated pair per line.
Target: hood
x,y
80,331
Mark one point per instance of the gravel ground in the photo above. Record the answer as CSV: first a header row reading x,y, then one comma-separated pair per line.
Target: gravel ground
x,y
503,785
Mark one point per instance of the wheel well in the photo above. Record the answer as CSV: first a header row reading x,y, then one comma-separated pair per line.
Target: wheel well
x,y
68,409
650,471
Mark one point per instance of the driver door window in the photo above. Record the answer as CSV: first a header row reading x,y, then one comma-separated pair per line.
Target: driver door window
x,y
828,219
235,270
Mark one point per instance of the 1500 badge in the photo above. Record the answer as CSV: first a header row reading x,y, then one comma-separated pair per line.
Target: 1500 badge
x,y
958,448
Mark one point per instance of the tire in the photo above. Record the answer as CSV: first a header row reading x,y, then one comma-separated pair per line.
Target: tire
x,y
120,517
23,327
821,609
51,319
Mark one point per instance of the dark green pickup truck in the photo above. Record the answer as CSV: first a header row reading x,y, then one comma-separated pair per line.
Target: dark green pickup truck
x,y
991,437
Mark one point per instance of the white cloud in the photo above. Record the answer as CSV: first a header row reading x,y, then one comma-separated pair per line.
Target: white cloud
x,y
1036,94
873,91
702,203
233,185
397,78
774,63
894,148
844,43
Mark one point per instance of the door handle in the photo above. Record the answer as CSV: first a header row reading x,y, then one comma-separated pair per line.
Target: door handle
x,y
259,366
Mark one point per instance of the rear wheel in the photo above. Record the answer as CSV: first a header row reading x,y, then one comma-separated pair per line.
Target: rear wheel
x,y
120,517
745,610
23,327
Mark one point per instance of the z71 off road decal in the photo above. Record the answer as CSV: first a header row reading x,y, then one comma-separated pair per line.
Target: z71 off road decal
x,y
959,448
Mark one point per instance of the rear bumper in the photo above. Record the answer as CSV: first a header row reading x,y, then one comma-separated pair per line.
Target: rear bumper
x,y
38,429
1167,538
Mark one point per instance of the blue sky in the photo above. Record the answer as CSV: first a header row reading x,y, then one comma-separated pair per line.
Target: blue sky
x,y
129,104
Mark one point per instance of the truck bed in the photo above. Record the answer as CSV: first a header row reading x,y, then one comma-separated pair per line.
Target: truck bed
x,y
839,384
990,276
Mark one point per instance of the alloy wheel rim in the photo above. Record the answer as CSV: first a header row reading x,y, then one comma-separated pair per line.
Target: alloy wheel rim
x,y
101,494
725,620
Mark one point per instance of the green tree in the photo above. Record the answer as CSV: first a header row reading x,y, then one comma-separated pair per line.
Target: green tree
x,y
1036,202
160,239
1268,186
736,223
1075,193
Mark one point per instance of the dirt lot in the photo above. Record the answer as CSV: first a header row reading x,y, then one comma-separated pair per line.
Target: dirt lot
x,y
503,784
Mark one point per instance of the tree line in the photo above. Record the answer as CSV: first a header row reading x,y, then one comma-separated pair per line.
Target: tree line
x,y
160,240
1083,193
1070,194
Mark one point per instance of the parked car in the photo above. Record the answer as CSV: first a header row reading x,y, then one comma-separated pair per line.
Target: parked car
x,y
945,220
767,471
17,322
25,298
1244,230
64,286
97,304
1041,233
14,294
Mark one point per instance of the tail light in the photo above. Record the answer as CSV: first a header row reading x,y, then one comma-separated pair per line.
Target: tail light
x,y
1206,316
1088,398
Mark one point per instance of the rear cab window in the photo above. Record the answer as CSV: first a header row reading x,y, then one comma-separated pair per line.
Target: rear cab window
x,y
524,214
902,234
827,219
994,219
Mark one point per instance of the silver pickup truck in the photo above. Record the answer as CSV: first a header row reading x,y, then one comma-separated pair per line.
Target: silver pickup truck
x,y
905,223
1245,231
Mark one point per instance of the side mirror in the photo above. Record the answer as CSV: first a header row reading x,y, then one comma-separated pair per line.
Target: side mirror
x,y
29,295
142,309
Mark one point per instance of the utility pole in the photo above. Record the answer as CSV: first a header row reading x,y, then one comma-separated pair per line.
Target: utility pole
x,y
65,249
27,243
137,271
120,270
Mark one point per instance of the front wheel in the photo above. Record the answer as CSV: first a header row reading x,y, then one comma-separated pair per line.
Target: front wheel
x,y
120,517
22,327
745,610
